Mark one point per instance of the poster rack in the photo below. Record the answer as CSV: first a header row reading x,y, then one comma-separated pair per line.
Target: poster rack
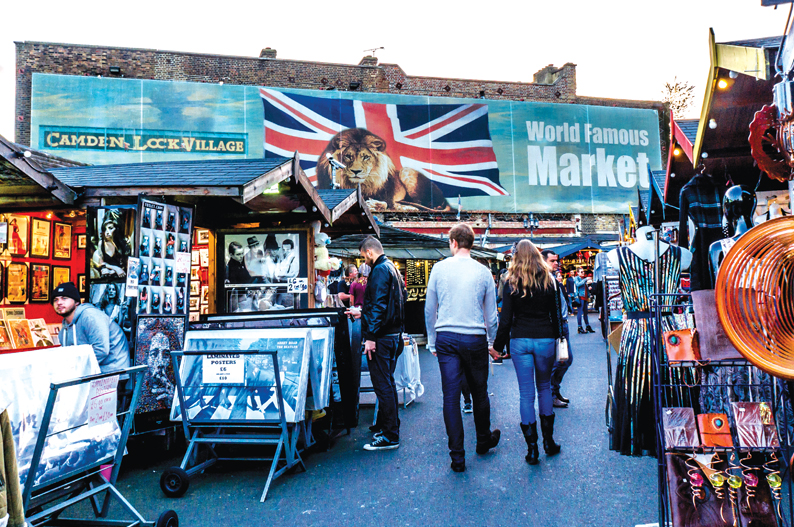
x,y
44,503
175,481
666,391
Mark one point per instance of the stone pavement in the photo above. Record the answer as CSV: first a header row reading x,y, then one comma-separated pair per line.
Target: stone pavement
x,y
586,485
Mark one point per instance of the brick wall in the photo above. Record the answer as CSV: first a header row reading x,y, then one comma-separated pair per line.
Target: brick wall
x,y
550,84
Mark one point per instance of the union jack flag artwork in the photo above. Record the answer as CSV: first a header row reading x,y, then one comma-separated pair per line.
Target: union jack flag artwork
x,y
449,143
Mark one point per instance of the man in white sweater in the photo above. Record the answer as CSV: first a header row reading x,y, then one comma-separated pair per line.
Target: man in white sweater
x,y
461,319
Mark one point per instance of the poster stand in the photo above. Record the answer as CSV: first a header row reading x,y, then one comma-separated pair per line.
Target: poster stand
x,y
175,481
44,503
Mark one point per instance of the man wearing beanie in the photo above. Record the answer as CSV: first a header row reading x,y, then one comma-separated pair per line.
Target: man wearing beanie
x,y
85,324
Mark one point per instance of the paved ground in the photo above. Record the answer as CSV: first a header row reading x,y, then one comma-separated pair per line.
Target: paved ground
x,y
586,485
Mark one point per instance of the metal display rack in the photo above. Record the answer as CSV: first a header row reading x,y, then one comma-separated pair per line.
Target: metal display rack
x,y
44,503
175,481
669,393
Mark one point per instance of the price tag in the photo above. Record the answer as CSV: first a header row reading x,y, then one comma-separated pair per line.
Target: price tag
x,y
223,369
102,400
726,244
182,264
133,269
298,285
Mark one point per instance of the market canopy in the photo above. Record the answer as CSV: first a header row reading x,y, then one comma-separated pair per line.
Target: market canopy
x,y
25,181
407,245
573,248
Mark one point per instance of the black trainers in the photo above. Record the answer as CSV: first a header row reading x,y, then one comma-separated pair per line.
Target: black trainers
x,y
497,361
495,435
559,403
458,467
382,443
467,408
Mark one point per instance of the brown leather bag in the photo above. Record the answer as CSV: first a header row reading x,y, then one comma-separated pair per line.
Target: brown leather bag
x,y
715,430
689,512
682,345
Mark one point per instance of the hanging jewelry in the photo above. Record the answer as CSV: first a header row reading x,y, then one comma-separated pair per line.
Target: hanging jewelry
x,y
774,481
717,480
750,479
695,480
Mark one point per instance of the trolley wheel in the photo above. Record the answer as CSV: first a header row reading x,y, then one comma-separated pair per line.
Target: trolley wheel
x,y
167,519
174,482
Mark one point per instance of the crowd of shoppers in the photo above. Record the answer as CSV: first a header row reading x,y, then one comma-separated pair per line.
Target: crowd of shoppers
x,y
470,315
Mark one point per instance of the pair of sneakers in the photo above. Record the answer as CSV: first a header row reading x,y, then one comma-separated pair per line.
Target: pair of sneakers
x,y
381,442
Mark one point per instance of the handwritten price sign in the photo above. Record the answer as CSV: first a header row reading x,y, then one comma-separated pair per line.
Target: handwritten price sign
x,y
102,400
298,285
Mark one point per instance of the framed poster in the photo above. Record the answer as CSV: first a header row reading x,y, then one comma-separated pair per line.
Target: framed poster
x,y
40,333
251,396
81,283
202,237
40,238
17,283
163,241
157,336
62,241
194,272
205,295
39,282
195,288
194,257
110,238
18,234
263,270
81,241
112,300
20,333
194,303
60,275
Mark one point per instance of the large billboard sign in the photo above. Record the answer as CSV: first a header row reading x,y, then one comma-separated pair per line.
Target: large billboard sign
x,y
406,152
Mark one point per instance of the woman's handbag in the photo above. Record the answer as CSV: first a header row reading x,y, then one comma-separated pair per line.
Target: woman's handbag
x,y
562,344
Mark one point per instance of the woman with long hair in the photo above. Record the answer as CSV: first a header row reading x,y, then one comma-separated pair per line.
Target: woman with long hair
x,y
530,319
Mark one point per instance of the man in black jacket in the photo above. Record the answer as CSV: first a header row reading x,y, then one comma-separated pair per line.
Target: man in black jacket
x,y
383,316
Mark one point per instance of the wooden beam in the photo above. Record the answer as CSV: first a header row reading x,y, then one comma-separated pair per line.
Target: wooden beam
x,y
28,202
162,191
301,178
744,60
344,206
366,210
711,85
22,190
255,187
31,169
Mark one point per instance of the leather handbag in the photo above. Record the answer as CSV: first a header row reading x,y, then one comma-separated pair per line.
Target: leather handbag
x,y
716,345
682,345
715,431
755,425
679,428
562,350
562,344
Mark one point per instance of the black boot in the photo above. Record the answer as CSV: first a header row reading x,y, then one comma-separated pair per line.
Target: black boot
x,y
531,436
588,329
582,331
547,429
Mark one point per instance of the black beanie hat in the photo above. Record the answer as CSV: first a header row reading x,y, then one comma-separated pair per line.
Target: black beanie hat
x,y
67,289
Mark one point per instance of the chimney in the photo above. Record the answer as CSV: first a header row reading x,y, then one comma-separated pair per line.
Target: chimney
x,y
267,53
369,60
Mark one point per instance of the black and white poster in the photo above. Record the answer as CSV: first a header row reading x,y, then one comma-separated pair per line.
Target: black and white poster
x,y
261,269
163,243
246,389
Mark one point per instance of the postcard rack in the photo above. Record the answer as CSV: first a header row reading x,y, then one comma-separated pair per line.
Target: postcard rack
x,y
203,435
45,501
679,384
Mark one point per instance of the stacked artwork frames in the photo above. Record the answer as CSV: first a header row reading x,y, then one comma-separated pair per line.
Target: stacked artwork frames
x,y
248,393
164,247
73,444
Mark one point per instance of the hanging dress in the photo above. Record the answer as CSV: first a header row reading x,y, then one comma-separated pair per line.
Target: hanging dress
x,y
633,430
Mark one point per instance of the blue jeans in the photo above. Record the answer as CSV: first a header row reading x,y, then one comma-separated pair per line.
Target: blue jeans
x,y
464,358
580,312
533,358
560,368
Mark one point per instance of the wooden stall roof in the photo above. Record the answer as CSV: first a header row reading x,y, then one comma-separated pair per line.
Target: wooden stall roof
x,y
25,181
275,187
746,67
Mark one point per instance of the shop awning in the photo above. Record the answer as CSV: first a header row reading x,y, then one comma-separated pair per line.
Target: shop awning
x,y
572,248
406,245
25,181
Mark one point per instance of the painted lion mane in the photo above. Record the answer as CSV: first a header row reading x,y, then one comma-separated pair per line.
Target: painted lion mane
x,y
369,165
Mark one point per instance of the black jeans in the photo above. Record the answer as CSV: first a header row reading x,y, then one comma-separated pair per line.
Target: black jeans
x,y
560,368
464,357
381,372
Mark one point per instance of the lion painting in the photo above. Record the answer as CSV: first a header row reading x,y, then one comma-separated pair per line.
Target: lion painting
x,y
382,185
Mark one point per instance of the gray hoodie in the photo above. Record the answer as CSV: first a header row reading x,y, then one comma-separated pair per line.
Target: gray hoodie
x,y
91,326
